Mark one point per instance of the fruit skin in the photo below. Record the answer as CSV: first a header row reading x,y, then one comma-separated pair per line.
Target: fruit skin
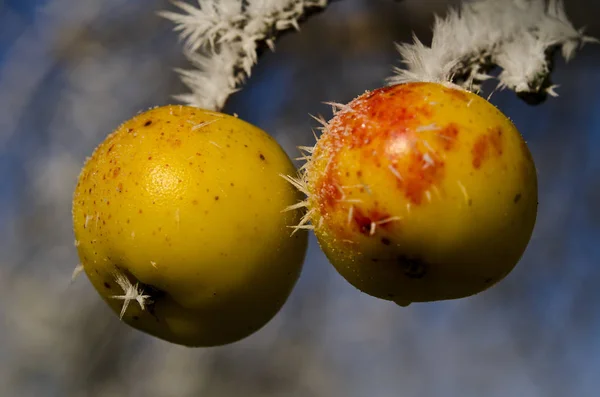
x,y
187,203
421,192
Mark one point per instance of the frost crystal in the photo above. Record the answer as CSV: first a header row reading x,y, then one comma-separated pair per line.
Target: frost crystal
x,y
222,38
131,293
519,36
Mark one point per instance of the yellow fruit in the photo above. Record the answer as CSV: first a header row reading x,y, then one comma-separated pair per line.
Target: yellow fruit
x,y
421,192
178,223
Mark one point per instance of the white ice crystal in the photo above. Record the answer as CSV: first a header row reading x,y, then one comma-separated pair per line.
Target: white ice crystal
x,y
516,35
131,293
221,40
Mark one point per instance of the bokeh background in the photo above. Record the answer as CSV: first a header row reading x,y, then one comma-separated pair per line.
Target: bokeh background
x,y
71,71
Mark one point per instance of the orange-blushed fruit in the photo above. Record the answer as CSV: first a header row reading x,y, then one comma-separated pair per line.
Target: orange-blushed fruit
x,y
179,226
421,192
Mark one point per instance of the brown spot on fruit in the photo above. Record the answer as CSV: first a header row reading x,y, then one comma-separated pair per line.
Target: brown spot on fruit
x,y
487,145
106,285
412,267
457,94
262,157
385,241
327,191
147,123
448,136
495,135
365,221
479,151
517,198
419,173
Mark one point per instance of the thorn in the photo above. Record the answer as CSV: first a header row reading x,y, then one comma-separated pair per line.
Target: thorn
x,y
550,90
204,124
292,207
464,190
429,127
298,183
303,222
76,272
320,119
395,172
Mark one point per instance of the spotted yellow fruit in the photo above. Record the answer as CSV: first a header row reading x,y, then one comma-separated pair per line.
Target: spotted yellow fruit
x,y
179,226
421,192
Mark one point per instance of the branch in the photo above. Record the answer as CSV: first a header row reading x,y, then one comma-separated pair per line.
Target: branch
x,y
519,36
223,39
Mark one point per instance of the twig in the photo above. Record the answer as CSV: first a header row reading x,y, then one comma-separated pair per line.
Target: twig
x,y
519,36
223,39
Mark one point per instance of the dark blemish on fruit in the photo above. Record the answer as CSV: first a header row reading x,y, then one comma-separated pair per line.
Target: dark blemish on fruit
x,y
216,198
517,198
245,145
419,173
106,285
136,318
448,136
262,157
96,270
128,220
116,172
129,129
481,148
470,202
390,295
385,241
147,123
458,94
214,294
412,267
495,135
111,148
231,184
195,202
149,157
488,280
364,221
374,260
359,173
139,211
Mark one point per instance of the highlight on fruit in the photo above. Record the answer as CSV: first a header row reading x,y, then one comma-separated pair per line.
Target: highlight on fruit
x,y
419,192
179,227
